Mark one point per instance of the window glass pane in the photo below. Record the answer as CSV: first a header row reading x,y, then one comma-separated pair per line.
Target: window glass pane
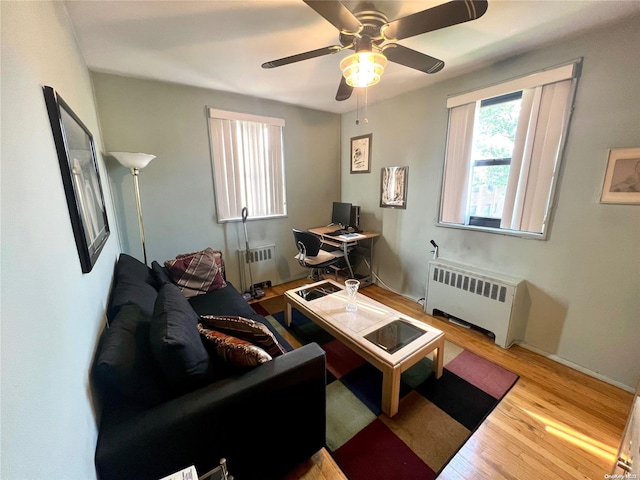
x,y
488,188
493,139
495,132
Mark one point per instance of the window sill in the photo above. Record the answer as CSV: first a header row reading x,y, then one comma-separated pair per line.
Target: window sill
x,y
498,231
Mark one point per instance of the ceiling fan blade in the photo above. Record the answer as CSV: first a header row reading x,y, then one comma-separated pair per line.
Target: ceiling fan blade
x,y
336,14
445,15
344,90
411,58
302,56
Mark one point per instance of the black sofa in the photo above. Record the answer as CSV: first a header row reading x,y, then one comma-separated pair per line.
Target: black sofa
x,y
263,420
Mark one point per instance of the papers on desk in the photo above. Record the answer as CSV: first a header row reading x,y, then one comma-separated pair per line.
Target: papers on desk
x,y
350,237
345,237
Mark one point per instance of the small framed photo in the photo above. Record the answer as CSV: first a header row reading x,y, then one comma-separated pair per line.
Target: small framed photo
x,y
393,187
622,178
361,154
80,178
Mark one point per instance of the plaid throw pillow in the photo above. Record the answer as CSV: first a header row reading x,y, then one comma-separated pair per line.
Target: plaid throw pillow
x,y
245,329
232,350
198,272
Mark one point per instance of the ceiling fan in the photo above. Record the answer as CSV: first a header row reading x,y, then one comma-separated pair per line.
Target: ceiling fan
x,y
373,37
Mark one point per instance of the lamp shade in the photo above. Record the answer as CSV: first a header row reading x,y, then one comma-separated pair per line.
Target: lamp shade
x,y
132,160
363,69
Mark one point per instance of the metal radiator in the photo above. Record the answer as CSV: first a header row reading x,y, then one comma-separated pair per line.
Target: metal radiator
x,y
488,300
263,266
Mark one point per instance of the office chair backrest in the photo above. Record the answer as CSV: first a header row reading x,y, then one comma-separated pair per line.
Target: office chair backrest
x,y
309,240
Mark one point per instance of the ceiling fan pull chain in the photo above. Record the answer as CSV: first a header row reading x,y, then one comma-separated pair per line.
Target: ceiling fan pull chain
x,y
366,105
357,107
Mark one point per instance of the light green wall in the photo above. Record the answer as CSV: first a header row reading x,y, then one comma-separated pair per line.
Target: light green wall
x,y
170,121
52,314
584,282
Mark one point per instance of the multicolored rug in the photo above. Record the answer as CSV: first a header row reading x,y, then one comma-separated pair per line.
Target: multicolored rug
x,y
435,418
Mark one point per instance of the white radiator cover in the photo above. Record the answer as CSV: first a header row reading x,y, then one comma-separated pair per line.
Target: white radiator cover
x,y
492,301
263,266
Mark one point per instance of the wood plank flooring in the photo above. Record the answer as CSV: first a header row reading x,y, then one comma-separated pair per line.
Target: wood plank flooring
x,y
555,423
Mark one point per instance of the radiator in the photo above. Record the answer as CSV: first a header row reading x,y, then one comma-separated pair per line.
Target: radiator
x,y
263,266
488,300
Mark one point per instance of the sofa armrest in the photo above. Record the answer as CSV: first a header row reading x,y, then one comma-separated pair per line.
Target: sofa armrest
x,y
263,422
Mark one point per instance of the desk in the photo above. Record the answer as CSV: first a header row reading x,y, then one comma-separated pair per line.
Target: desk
x,y
347,242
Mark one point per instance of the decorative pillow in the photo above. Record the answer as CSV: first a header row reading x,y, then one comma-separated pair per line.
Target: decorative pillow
x,y
245,329
175,341
197,273
133,284
235,351
124,365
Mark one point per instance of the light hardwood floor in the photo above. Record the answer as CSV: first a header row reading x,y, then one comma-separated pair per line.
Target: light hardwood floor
x,y
555,423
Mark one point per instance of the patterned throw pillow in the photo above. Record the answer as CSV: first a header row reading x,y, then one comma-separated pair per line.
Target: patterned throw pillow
x,y
234,350
198,272
245,329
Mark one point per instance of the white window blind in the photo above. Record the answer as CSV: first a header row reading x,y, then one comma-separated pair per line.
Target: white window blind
x,y
545,110
248,164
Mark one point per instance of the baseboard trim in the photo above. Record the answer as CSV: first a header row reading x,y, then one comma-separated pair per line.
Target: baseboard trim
x,y
577,367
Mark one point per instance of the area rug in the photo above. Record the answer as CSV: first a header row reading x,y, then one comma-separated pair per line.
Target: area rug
x,y
435,418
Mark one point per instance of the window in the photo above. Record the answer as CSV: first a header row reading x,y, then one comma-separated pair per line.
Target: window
x,y
248,165
493,140
503,152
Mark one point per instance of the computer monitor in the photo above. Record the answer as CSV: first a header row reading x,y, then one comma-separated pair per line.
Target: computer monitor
x,y
341,214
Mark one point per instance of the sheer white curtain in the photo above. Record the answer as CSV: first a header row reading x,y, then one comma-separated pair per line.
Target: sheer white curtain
x,y
458,164
248,165
543,114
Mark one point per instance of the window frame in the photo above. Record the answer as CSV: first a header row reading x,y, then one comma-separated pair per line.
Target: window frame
x,y
240,177
569,71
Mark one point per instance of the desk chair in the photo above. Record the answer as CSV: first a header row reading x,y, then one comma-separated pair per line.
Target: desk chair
x,y
310,255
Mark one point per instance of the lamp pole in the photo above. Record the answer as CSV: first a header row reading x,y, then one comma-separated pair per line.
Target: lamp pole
x,y
136,188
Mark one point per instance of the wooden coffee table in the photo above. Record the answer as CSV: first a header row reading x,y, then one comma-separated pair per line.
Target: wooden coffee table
x,y
325,303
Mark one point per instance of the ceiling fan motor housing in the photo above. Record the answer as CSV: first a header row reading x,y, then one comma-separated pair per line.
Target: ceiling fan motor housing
x,y
369,36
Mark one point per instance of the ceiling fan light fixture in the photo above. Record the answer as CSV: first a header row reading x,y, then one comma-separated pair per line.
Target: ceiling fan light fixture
x,y
363,69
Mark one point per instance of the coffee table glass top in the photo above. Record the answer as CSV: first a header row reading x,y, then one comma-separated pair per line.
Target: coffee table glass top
x,y
394,335
318,291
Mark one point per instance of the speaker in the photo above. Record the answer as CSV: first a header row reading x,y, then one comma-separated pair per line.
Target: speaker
x,y
354,221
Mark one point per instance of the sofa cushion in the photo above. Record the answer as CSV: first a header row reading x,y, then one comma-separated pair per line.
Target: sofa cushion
x,y
134,283
198,272
160,274
245,329
237,352
176,343
124,365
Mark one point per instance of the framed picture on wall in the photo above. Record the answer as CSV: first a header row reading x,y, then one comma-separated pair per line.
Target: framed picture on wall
x,y
622,178
80,177
393,187
361,154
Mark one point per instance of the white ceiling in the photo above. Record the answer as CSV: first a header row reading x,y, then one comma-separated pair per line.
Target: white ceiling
x,y
221,44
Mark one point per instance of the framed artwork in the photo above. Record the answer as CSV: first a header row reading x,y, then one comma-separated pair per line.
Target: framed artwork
x,y
622,178
361,154
80,177
393,187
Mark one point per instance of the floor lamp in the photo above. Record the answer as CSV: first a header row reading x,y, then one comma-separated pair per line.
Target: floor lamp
x,y
134,162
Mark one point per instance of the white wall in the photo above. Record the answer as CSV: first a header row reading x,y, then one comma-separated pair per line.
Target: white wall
x,y
584,282
52,314
170,121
